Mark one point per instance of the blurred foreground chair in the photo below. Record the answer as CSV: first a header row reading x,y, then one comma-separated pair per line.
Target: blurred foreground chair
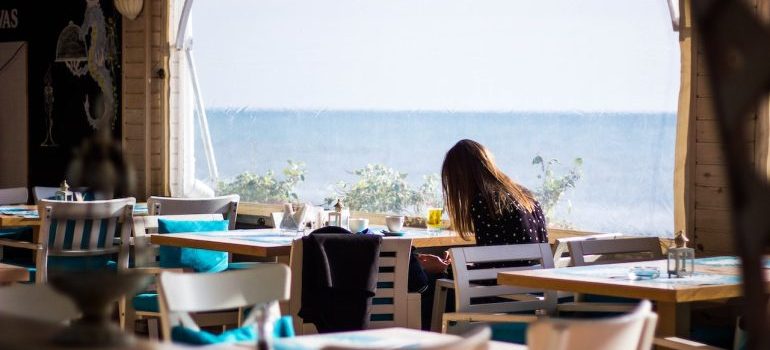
x,y
76,236
184,293
147,259
37,302
633,331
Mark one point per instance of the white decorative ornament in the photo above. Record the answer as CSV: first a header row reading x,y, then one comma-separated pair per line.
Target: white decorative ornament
x,y
129,8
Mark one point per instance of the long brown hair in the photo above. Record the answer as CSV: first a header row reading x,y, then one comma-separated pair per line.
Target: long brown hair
x,y
469,170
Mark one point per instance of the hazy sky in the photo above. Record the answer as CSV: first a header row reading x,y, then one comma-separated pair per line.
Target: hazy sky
x,y
588,55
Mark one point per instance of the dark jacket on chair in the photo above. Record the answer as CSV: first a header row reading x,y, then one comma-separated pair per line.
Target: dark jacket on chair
x,y
339,279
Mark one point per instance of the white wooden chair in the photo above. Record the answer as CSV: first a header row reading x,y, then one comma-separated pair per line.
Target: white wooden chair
x,y
146,260
633,331
518,299
38,302
225,205
609,251
14,195
561,246
80,229
185,293
393,305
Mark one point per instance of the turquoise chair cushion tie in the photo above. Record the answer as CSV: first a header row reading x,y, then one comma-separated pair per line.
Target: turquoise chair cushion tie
x,y
283,328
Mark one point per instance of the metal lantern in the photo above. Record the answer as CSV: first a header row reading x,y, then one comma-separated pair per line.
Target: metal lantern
x,y
335,217
681,259
64,193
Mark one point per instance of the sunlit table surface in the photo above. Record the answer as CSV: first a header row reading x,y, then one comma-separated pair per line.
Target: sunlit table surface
x,y
274,243
386,338
27,215
715,278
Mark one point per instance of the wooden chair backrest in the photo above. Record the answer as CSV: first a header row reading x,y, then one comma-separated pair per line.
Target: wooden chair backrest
x,y
183,293
225,205
389,307
38,302
561,246
465,279
86,228
615,250
14,195
633,331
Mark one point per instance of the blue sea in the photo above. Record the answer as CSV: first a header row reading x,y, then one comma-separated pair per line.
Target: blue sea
x,y
628,158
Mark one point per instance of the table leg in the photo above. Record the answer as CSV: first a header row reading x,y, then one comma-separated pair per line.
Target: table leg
x,y
284,305
673,319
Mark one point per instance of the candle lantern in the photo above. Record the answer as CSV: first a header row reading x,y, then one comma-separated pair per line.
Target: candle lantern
x,y
64,193
335,217
681,259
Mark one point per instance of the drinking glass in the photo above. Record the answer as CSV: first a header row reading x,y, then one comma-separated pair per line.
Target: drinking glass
x,y
433,220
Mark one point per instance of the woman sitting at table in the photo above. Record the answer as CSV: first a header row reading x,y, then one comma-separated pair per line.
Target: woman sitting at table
x,y
483,202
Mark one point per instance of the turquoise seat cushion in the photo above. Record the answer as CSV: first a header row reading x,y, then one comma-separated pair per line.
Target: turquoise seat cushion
x,y
69,264
283,328
147,302
513,332
200,260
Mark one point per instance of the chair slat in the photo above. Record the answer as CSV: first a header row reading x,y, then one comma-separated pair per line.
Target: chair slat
x,y
77,234
110,234
58,241
384,293
382,309
503,253
386,277
489,274
387,261
93,239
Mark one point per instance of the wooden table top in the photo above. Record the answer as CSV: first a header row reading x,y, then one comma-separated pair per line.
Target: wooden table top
x,y
11,274
272,243
9,220
385,338
715,278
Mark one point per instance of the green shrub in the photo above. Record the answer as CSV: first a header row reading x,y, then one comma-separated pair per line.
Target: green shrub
x,y
384,190
266,188
550,191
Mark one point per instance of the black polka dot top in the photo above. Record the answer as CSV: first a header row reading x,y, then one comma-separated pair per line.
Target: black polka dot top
x,y
515,226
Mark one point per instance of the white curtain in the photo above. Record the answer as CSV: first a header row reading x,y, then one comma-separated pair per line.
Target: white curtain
x,y
183,182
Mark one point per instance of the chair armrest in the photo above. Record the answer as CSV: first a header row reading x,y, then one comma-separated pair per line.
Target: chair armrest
x,y
682,344
4,242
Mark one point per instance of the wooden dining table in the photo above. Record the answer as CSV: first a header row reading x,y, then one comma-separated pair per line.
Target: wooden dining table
x,y
24,215
714,278
272,243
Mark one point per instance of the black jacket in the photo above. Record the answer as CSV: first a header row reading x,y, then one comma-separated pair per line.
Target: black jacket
x,y
339,279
